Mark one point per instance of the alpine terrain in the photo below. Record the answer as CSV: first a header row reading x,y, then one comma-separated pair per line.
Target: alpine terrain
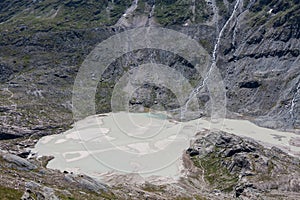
x,y
254,45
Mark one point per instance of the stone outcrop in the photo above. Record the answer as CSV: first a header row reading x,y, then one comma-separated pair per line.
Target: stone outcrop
x,y
17,162
244,167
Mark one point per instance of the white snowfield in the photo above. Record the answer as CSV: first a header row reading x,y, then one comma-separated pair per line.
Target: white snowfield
x,y
142,143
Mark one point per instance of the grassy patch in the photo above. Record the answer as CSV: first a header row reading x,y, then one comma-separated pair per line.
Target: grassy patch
x,y
216,174
222,8
141,7
172,12
201,12
153,188
65,15
282,12
108,195
9,194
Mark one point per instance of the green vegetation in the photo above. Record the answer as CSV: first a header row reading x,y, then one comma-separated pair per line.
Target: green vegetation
x,y
216,174
191,198
153,188
173,12
69,14
201,12
141,7
200,197
91,196
66,198
108,195
282,12
80,14
9,194
102,97
206,45
222,8
26,60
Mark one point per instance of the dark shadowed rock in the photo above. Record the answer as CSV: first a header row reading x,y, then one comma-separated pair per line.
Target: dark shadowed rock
x,y
250,84
192,152
7,136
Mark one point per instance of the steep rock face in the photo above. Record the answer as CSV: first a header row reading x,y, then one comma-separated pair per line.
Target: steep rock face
x,y
245,168
36,97
261,46
258,57
43,43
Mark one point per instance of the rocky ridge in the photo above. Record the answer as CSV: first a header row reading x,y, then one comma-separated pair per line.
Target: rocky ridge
x,y
217,165
245,168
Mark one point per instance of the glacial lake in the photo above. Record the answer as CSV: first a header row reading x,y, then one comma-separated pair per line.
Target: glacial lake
x,y
142,143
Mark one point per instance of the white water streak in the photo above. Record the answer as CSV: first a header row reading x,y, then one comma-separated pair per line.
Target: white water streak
x,y
293,103
214,60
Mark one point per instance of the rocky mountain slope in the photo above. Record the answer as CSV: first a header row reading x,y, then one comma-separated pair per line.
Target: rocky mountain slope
x,y
244,167
262,50
44,42
217,165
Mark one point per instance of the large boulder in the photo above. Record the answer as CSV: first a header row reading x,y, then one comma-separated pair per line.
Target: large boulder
x,y
17,162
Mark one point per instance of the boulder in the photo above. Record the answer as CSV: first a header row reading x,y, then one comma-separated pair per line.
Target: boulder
x,y
18,162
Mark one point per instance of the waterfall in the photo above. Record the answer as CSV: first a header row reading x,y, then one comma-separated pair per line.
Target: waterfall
x,y
193,10
214,60
150,20
293,102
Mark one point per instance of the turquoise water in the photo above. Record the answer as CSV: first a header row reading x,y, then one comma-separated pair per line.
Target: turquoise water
x,y
156,115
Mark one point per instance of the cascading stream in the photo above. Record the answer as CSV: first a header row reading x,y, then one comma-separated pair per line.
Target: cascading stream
x,y
214,60
293,102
